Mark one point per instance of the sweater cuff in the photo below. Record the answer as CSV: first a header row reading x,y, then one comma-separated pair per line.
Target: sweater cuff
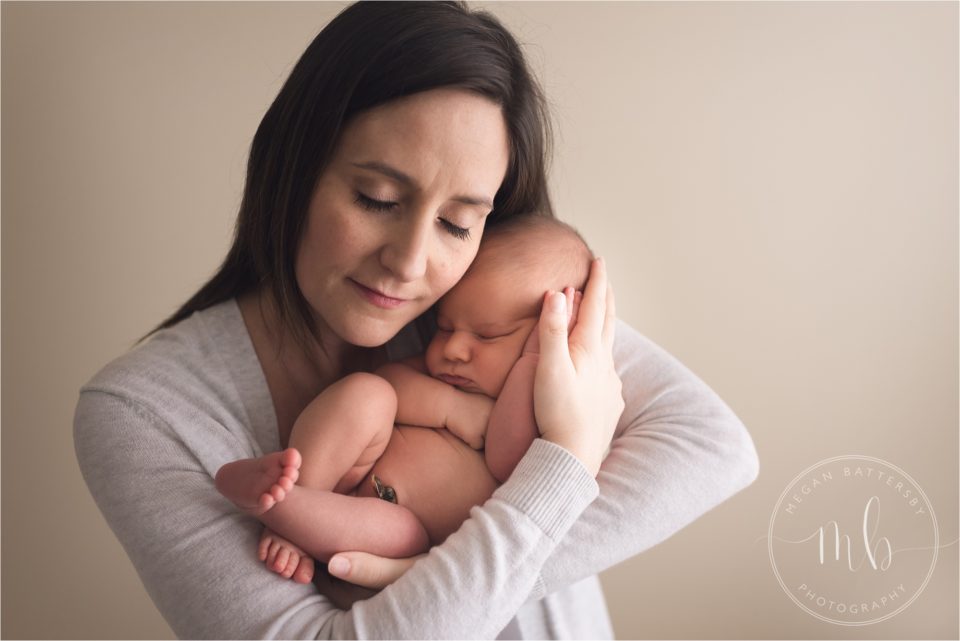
x,y
551,486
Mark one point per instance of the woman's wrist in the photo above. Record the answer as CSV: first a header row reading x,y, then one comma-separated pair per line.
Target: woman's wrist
x,y
581,448
550,486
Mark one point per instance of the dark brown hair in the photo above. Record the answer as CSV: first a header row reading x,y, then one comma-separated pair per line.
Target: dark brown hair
x,y
370,54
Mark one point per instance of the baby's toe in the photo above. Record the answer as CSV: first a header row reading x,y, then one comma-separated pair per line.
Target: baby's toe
x,y
290,458
264,547
291,566
281,563
304,571
272,554
266,502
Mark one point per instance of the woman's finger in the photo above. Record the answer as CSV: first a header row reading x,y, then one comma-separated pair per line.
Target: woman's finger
x,y
577,298
593,306
573,306
609,321
553,330
368,570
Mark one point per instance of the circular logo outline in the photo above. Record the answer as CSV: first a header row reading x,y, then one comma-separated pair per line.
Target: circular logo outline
x,y
933,518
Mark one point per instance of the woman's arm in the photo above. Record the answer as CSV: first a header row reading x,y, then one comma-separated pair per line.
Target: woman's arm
x,y
678,452
196,554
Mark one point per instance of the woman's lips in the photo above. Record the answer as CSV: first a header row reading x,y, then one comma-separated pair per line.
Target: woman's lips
x,y
374,297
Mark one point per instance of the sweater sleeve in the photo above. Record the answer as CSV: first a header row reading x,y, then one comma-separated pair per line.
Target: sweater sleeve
x,y
195,553
678,451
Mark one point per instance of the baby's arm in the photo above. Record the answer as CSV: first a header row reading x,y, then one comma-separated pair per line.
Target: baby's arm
x,y
513,426
427,402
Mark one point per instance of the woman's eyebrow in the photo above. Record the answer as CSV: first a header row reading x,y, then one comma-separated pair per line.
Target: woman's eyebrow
x,y
407,181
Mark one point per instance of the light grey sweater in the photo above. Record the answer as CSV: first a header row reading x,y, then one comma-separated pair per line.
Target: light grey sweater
x,y
152,428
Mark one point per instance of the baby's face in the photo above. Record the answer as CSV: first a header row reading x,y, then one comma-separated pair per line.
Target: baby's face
x,y
483,324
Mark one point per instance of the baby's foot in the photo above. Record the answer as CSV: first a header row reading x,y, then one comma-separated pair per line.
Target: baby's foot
x,y
257,484
285,558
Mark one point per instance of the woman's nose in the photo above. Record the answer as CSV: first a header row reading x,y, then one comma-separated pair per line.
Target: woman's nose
x,y
457,347
405,253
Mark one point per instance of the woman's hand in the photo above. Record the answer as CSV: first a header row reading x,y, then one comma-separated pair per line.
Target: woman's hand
x,y
368,570
577,393
356,576
340,593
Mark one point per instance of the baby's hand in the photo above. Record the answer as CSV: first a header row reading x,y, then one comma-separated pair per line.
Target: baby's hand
x,y
469,416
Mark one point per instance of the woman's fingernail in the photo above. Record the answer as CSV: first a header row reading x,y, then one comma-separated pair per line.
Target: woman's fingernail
x,y
338,566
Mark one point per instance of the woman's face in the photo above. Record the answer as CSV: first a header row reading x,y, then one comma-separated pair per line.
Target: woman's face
x,y
396,217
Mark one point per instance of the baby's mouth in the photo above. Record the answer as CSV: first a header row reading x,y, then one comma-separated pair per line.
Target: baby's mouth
x,y
457,381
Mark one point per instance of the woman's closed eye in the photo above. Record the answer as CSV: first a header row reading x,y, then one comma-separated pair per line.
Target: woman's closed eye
x,y
458,232
374,205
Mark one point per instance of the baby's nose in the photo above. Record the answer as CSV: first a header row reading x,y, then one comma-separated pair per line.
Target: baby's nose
x,y
458,347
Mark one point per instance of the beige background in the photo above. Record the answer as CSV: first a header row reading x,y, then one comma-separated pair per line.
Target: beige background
x,y
774,187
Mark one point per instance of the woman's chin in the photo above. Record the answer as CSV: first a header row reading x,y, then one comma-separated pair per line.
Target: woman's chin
x,y
370,334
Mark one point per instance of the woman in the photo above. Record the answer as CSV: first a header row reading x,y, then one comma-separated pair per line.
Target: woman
x,y
402,132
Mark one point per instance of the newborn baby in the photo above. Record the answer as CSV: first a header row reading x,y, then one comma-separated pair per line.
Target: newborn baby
x,y
402,447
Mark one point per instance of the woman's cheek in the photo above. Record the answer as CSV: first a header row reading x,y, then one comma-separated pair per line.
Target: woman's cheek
x,y
454,267
446,276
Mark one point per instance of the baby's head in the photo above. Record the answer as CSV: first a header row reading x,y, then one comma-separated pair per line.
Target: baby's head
x,y
484,321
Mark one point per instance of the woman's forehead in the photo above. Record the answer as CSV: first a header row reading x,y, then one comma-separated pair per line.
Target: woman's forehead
x,y
440,135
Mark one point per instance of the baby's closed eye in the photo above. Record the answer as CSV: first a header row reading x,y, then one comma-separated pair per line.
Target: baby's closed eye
x,y
491,337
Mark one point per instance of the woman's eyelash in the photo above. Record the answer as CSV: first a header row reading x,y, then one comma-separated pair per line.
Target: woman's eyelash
x,y
459,232
372,204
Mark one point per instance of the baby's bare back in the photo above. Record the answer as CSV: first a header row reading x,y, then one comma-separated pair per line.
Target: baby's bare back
x,y
435,475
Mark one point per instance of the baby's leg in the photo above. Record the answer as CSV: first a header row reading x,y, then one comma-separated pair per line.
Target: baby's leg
x,y
340,435
255,485
323,523
343,431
